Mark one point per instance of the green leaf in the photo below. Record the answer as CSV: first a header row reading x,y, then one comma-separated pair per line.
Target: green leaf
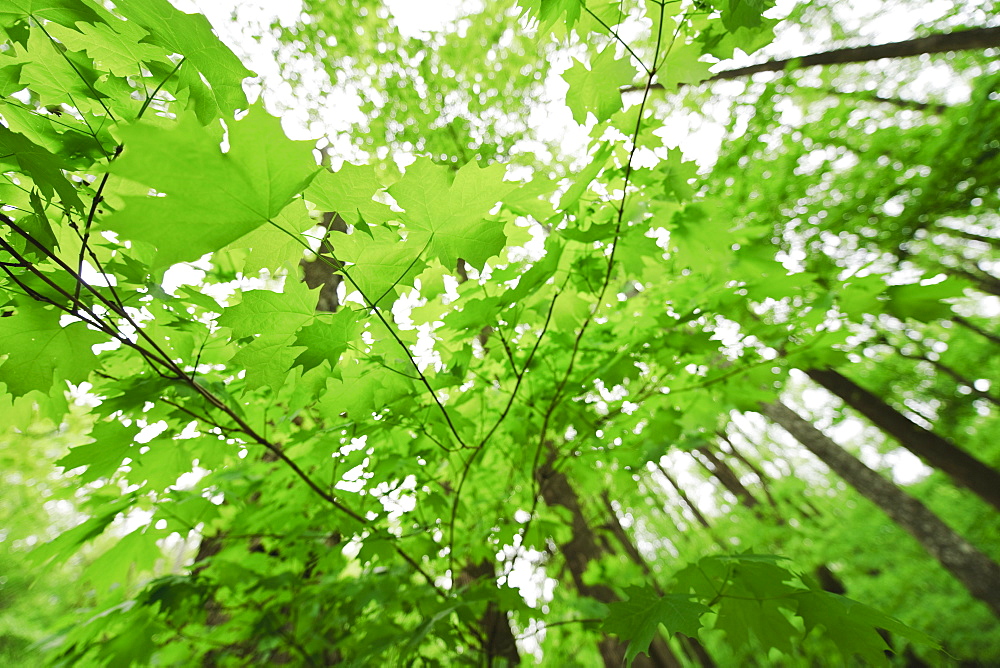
x,y
738,14
41,352
39,227
549,11
58,76
853,626
581,183
271,318
595,89
191,36
637,619
381,263
326,338
161,465
272,314
657,11
64,545
763,619
922,302
121,49
449,210
681,66
111,445
281,243
348,192
42,166
63,12
136,552
206,198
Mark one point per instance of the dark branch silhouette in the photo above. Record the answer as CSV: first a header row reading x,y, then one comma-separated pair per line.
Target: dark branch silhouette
x,y
959,40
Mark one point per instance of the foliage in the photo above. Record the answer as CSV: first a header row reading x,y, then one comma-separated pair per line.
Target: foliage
x,y
515,338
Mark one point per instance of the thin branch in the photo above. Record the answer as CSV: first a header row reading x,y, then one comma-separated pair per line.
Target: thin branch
x,y
85,238
159,86
614,34
557,395
482,444
96,95
339,266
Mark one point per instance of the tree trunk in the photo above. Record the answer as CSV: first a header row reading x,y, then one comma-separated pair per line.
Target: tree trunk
x,y
938,452
978,573
980,280
578,553
692,646
959,40
727,477
992,242
684,497
954,374
321,271
765,483
498,641
902,103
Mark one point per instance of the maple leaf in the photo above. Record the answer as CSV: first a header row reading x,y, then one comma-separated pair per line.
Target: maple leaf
x,y
326,338
206,198
271,319
112,443
595,89
43,166
64,12
853,626
380,263
682,66
449,211
191,35
548,11
349,192
638,618
40,351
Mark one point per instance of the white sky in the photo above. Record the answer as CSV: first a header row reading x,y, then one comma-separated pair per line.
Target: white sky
x,y
699,140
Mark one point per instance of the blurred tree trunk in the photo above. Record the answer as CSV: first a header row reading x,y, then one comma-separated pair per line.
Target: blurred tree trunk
x,y
583,548
684,497
725,475
321,270
692,646
976,571
973,327
936,451
498,641
958,40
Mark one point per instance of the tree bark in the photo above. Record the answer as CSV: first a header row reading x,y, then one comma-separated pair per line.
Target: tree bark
x,y
578,553
765,483
979,574
497,638
899,102
692,646
959,40
981,280
728,478
320,270
938,452
954,374
684,497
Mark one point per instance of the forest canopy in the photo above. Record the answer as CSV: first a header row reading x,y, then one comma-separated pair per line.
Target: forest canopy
x,y
569,332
